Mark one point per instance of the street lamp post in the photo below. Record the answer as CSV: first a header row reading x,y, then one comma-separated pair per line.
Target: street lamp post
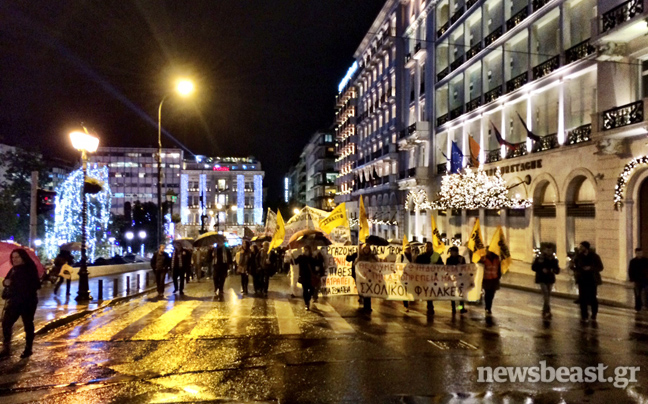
x,y
129,236
142,236
184,88
85,143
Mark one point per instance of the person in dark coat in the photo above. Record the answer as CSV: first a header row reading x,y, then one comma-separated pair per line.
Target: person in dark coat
x,y
306,265
492,276
456,259
22,283
186,263
546,268
243,256
177,269
638,274
222,263
160,262
351,258
429,257
587,268
255,269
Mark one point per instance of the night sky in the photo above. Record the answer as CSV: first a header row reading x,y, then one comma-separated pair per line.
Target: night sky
x,y
266,72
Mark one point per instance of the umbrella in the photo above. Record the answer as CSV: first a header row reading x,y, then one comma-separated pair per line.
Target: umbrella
x,y
186,243
261,239
376,240
71,246
5,258
209,239
313,238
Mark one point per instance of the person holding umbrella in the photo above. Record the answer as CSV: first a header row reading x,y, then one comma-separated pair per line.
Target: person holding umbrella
x,y
160,262
243,256
64,262
20,287
177,269
222,262
306,264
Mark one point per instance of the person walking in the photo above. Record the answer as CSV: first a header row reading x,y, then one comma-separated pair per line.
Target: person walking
x,y
492,276
254,268
587,268
366,255
241,260
318,273
429,257
405,258
64,261
177,272
222,262
456,259
186,263
546,268
20,287
306,268
294,271
160,262
638,274
264,268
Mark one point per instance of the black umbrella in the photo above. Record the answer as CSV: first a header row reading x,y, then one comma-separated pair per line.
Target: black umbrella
x,y
376,240
209,239
313,238
185,243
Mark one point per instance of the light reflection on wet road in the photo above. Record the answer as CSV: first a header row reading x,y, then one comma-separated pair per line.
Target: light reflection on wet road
x,y
193,348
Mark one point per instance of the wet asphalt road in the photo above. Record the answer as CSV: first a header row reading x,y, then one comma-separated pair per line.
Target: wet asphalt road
x,y
196,349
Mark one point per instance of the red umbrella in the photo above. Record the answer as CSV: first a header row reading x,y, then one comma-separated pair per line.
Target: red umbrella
x,y
6,247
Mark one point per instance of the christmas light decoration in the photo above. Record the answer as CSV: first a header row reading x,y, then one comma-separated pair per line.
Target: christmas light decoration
x,y
67,215
184,198
619,188
240,198
469,190
258,199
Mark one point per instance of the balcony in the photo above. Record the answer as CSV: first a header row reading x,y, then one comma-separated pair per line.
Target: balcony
x,y
621,13
579,135
517,82
442,119
417,47
623,116
493,36
538,4
547,67
516,19
442,169
518,150
473,104
457,15
443,29
443,73
473,51
456,113
579,51
546,143
493,155
470,3
493,94
457,62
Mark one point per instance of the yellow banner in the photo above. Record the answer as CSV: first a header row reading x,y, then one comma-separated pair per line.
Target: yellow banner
x,y
278,237
437,244
338,217
364,223
498,246
476,242
405,242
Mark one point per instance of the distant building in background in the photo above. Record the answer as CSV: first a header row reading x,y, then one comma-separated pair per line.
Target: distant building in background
x,y
224,192
320,171
345,135
297,183
133,173
57,172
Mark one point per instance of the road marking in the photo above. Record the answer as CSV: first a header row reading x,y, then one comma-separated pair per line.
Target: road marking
x,y
335,320
240,317
207,324
166,322
286,318
520,311
105,332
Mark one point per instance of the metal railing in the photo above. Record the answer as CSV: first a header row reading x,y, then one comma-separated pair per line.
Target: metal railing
x,y
546,143
442,119
579,51
493,94
547,67
493,155
518,150
443,73
517,18
579,135
517,82
622,116
492,37
473,104
621,13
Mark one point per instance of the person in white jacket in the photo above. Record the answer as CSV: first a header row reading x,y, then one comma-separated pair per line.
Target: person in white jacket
x,y
294,271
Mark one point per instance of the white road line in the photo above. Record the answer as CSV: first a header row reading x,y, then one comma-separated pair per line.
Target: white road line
x,y
166,322
286,318
520,311
107,331
335,320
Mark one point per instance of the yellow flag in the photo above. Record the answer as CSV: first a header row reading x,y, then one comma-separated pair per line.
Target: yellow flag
x,y
476,242
280,233
338,217
437,244
498,246
364,223
405,242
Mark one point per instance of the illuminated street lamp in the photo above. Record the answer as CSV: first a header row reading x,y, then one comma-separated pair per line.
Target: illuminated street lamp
x,y
184,88
85,143
142,236
296,211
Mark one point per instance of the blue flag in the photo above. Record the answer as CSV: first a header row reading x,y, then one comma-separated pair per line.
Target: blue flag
x,y
456,159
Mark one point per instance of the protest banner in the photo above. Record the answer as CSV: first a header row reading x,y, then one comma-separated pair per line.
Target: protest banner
x,y
309,218
337,280
391,281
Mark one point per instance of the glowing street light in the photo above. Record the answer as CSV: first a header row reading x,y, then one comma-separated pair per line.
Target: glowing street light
x,y
296,211
184,87
142,234
85,143
129,235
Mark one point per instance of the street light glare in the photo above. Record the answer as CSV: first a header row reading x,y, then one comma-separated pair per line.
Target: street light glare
x,y
129,235
84,142
185,87
142,234
296,211
219,206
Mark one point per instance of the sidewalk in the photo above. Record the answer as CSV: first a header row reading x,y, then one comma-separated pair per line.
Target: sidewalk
x,y
57,309
611,294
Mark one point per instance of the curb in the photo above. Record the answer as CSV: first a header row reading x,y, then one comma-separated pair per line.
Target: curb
x,y
59,322
605,302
